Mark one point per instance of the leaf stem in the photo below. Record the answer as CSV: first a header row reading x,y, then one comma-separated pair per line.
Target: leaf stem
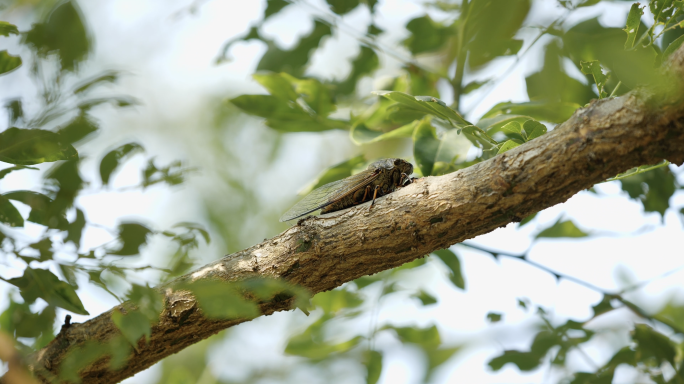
x,y
616,88
638,170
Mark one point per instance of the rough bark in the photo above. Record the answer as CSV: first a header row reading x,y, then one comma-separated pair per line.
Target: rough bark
x,y
605,138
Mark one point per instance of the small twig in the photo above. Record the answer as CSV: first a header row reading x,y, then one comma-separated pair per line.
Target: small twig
x,y
523,257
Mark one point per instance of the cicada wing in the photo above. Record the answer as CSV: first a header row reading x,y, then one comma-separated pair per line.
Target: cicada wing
x,y
330,193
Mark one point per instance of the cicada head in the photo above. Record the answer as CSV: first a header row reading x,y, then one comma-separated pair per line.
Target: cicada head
x,y
404,166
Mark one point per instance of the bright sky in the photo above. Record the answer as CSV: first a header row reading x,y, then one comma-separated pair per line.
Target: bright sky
x,y
170,56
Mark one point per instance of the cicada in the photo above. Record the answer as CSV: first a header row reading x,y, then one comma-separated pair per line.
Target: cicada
x,y
380,178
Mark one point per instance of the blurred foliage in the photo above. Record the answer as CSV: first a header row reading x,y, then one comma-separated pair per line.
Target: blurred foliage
x,y
55,49
451,49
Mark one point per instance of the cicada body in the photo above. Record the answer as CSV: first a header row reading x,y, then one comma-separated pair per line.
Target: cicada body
x,y
380,178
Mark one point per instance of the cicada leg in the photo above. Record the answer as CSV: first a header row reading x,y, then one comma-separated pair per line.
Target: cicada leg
x,y
405,178
375,194
365,194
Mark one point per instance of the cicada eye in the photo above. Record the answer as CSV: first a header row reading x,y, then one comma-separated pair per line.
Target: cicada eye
x,y
397,162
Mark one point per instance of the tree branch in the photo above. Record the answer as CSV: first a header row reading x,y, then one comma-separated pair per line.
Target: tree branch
x,y
608,137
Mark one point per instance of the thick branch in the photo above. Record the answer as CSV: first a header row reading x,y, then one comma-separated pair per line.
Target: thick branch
x,y
606,138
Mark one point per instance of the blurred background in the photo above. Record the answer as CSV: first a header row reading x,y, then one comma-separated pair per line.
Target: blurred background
x,y
173,68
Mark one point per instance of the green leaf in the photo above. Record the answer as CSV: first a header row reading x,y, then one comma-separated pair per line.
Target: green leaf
x,y
120,350
78,129
78,358
405,267
425,298
632,25
75,229
9,170
527,219
334,301
68,272
437,357
112,160
426,338
654,187
172,174
15,110
270,289
671,313
587,3
342,7
489,27
33,146
132,236
673,47
360,134
44,284
105,77
316,94
9,214
133,325
336,172
534,129
662,10
19,321
8,63
195,227
364,281
525,361
624,356
149,301
373,362
555,112
450,259
603,306
494,124
41,209
44,247
425,104
426,35
365,63
514,130
589,40
118,101
562,229
472,86
311,343
64,33
7,29
600,377
507,146
306,125
653,343
277,85
273,7
67,178
221,300
425,146
552,83
494,317
293,61
594,68
284,116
